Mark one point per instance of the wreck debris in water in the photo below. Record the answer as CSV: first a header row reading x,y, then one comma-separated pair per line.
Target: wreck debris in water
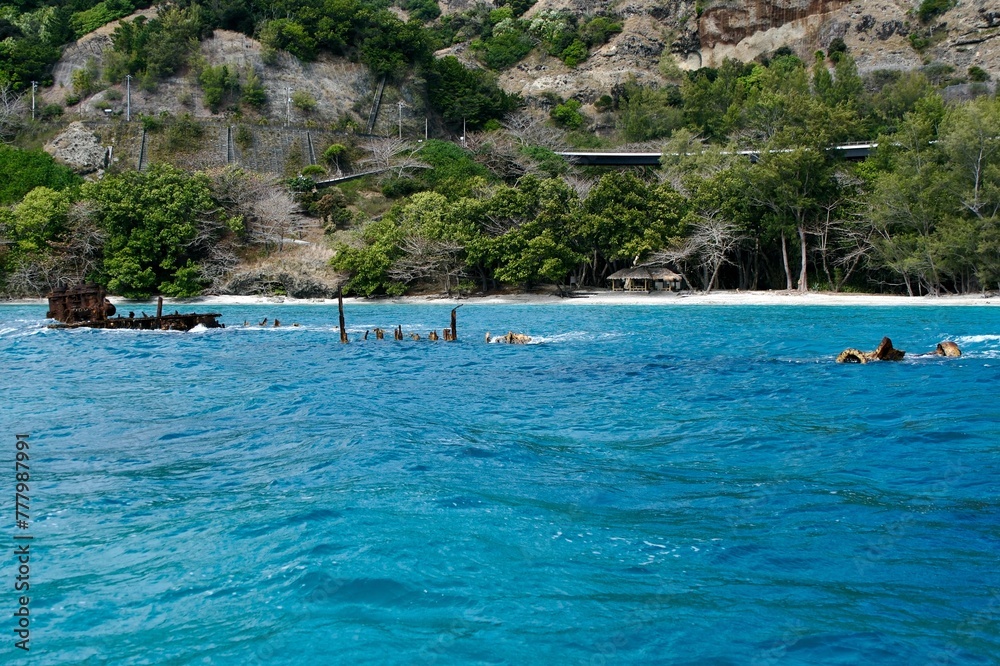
x,y
886,352
87,306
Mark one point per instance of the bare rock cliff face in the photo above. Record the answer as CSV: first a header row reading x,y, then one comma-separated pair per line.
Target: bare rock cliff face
x,y
731,23
876,34
79,149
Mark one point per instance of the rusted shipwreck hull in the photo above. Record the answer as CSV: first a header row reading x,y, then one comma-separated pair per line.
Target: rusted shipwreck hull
x,y
87,306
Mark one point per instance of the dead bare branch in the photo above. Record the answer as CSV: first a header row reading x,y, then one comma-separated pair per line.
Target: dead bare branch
x,y
531,130
12,111
709,247
428,259
393,154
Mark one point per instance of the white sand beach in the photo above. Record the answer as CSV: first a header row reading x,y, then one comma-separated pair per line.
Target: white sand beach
x,y
605,297
597,297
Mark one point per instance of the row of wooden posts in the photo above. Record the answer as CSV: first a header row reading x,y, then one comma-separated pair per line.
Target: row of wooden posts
x,y
450,335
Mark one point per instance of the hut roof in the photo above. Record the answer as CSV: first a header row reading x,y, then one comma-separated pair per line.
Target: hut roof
x,y
646,273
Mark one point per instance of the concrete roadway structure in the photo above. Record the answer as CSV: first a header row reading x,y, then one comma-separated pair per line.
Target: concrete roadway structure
x,y
851,151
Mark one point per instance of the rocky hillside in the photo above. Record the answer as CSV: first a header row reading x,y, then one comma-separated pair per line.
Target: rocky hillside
x,y
658,37
876,34
342,89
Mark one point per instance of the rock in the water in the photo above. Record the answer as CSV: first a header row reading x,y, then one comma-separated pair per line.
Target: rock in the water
x,y
948,348
79,149
511,338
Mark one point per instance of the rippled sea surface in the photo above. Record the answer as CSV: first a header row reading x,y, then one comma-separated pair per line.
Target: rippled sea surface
x,y
675,485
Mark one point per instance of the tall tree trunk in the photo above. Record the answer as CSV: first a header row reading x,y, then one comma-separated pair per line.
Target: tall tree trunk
x,y
803,280
826,268
715,277
784,259
756,266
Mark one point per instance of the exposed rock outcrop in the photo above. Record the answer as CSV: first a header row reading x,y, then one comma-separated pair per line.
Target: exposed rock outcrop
x,y
79,149
510,338
300,272
732,22
875,33
948,348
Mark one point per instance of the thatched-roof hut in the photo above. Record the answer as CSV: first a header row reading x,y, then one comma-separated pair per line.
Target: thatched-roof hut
x,y
644,278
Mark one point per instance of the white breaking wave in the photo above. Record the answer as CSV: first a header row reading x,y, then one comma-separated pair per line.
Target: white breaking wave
x,y
573,336
976,339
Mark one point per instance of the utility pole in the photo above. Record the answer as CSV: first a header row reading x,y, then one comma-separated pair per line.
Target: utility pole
x,y
401,104
288,105
463,132
425,128
34,87
128,98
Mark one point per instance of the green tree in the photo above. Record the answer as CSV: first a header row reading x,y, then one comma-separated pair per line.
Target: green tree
x,y
575,53
253,90
304,101
503,49
822,79
39,219
157,48
792,184
85,79
848,88
930,9
625,220
388,44
462,94
648,113
714,98
528,237
288,35
970,139
369,262
218,84
568,114
158,224
335,155
911,196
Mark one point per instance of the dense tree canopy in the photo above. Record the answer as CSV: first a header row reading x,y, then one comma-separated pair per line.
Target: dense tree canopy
x,y
157,223
23,170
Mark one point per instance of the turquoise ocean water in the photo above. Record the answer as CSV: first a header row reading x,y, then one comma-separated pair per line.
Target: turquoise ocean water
x,y
667,485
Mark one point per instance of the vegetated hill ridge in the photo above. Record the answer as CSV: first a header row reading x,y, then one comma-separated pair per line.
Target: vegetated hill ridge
x,y
657,37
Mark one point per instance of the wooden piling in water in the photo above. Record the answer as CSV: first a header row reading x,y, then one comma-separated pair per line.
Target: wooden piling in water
x,y
454,324
340,311
159,307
